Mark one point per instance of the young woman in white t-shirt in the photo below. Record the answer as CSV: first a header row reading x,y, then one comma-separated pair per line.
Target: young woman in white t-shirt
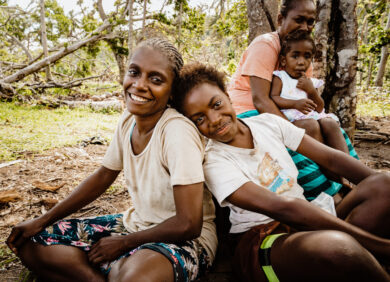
x,y
168,233
248,169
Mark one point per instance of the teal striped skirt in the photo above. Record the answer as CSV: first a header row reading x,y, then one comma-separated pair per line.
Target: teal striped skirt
x,y
310,177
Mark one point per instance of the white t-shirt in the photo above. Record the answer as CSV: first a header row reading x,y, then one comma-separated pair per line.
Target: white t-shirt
x,y
289,88
173,156
269,165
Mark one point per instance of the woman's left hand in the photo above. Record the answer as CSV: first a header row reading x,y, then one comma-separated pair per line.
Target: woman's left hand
x,y
107,249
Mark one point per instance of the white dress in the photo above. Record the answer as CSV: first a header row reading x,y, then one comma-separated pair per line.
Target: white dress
x,y
290,91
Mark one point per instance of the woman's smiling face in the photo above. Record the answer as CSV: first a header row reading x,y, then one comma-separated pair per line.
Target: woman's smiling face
x,y
148,82
211,111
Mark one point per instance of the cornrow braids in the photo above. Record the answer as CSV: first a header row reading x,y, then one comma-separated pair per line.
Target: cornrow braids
x,y
168,50
191,76
288,5
293,37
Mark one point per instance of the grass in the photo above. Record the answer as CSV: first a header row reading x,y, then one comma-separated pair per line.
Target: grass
x,y
35,129
374,101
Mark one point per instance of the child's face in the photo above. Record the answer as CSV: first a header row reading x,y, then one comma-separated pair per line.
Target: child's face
x,y
298,59
148,82
211,111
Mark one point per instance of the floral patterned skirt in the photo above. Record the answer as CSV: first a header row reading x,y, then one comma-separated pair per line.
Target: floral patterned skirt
x,y
189,259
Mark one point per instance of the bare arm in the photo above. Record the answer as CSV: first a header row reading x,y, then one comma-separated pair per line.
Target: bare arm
x,y
306,85
262,101
302,215
185,225
86,192
303,105
334,160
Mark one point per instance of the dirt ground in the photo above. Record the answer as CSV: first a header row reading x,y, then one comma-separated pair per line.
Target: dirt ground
x,y
60,170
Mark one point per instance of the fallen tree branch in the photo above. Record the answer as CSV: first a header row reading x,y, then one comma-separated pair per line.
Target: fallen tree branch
x,y
95,36
67,85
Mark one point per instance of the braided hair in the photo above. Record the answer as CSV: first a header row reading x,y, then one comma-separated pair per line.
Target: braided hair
x,y
168,50
288,5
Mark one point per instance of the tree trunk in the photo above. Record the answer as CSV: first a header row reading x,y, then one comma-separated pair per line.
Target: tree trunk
x,y
370,67
363,39
144,20
262,16
384,56
179,24
44,39
96,35
337,58
130,35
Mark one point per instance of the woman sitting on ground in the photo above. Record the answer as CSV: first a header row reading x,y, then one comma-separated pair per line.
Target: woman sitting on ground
x,y
168,234
248,169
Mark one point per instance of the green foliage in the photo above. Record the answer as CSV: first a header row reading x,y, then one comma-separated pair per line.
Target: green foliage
x,y
374,101
89,22
372,19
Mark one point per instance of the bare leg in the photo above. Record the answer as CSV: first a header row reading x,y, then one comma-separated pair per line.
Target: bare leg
x,y
312,128
144,265
333,137
324,256
332,134
367,205
58,263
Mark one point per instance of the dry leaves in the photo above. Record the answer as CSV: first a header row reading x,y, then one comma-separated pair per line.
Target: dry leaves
x,y
9,196
46,187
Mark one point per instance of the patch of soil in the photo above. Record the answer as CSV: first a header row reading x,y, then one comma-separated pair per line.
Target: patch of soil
x,y
62,169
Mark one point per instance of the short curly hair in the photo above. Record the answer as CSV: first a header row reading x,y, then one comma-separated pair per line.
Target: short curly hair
x,y
193,75
296,36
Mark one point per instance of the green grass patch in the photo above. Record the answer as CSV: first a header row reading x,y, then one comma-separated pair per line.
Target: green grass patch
x,y
33,128
374,101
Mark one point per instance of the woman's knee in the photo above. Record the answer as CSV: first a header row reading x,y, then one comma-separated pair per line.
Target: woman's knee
x,y
311,126
334,249
379,184
328,125
326,256
144,265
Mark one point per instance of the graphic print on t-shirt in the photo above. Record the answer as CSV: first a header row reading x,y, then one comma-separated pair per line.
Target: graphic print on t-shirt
x,y
272,175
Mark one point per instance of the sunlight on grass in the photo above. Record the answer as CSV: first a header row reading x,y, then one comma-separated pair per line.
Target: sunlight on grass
x,y
373,102
31,128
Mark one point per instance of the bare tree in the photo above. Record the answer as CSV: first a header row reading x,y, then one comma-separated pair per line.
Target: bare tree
x,y
144,19
384,57
44,38
336,61
179,24
96,35
262,16
130,35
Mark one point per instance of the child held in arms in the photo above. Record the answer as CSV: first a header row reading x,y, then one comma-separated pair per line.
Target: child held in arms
x,y
297,95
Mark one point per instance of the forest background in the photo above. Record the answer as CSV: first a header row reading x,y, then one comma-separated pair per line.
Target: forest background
x,y
61,72
49,55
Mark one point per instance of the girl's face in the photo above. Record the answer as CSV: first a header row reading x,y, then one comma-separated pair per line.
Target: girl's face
x,y
148,82
302,16
211,111
298,59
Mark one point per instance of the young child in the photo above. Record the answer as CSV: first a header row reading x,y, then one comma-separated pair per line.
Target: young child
x,y
248,169
297,96
168,233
